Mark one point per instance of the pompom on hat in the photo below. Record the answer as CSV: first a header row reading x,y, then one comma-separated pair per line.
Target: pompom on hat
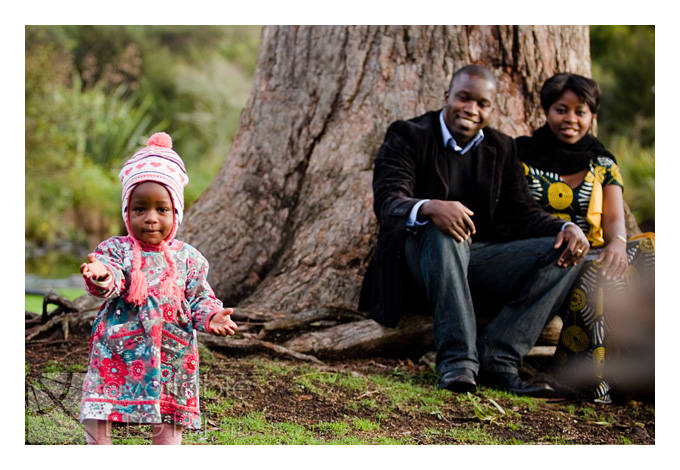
x,y
156,162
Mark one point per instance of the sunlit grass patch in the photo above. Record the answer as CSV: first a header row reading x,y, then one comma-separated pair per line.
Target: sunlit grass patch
x,y
34,303
361,424
53,428
473,435
333,428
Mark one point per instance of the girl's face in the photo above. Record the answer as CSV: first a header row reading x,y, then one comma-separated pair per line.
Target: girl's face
x,y
569,117
150,212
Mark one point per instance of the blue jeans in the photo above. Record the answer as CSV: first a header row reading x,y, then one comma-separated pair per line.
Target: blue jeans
x,y
521,276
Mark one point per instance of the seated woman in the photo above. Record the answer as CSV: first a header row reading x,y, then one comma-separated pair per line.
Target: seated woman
x,y
572,175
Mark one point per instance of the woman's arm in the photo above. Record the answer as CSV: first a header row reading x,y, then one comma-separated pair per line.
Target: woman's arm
x,y
613,257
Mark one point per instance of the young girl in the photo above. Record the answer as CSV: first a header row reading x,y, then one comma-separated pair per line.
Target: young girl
x,y
143,365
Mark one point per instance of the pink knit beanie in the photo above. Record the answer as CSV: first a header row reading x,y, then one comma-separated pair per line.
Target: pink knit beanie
x,y
156,162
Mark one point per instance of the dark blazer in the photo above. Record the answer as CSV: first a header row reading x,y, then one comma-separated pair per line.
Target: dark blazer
x,y
412,164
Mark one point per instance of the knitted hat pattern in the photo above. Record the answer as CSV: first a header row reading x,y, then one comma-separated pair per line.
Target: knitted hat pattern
x,y
159,163
156,162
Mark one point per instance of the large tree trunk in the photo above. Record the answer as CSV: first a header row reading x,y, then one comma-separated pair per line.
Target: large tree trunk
x,y
287,224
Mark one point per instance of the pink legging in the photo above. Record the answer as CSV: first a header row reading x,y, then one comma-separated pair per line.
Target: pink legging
x,y
99,433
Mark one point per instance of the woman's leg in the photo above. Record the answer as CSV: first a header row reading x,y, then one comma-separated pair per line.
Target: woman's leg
x,y
167,434
97,432
581,347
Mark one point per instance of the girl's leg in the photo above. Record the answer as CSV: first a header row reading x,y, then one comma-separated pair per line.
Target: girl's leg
x,y
97,432
167,434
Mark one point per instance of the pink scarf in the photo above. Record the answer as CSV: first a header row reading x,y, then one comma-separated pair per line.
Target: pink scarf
x,y
138,290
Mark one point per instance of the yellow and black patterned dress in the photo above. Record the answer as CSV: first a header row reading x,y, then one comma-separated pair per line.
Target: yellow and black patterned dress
x,y
584,338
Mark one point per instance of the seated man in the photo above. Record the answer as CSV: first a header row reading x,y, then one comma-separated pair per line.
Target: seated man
x,y
456,216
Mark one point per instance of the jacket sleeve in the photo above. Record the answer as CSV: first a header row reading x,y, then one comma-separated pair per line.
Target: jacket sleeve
x,y
202,301
394,177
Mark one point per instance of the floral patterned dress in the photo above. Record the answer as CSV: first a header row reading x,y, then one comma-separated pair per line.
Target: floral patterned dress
x,y
143,363
586,321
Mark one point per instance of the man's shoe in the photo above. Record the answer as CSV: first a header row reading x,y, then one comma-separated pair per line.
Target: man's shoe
x,y
510,382
458,380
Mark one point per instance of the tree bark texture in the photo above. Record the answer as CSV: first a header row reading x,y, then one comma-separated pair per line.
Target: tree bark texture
x,y
288,224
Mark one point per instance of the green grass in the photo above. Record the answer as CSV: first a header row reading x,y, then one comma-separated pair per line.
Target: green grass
x,y
365,407
255,429
316,381
334,429
471,434
55,428
362,424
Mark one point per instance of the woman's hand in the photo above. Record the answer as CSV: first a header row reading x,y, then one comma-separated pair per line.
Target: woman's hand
x,y
614,259
221,323
451,217
94,270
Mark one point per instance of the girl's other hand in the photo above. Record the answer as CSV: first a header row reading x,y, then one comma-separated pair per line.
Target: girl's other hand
x,y
221,323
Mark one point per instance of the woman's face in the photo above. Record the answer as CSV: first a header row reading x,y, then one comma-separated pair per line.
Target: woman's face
x,y
569,117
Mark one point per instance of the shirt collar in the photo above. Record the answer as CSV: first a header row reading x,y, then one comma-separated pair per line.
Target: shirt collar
x,y
449,140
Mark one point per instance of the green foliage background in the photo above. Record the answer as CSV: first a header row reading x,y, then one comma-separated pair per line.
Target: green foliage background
x,y
94,93
623,62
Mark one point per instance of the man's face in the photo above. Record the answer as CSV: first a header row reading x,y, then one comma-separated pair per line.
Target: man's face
x,y
468,106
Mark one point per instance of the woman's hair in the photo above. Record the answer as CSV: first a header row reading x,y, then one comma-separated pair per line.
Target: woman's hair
x,y
585,88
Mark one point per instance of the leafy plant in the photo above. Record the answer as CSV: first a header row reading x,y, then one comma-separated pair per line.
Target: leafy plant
x,y
483,411
75,142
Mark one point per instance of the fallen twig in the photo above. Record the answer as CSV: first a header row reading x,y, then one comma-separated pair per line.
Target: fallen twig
x,y
252,342
365,394
61,319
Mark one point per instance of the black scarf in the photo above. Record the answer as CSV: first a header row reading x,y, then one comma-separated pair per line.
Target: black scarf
x,y
546,152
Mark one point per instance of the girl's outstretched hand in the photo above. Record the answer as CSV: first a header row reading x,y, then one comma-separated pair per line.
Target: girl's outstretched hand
x,y
221,323
94,270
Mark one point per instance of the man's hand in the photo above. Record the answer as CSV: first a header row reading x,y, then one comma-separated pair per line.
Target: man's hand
x,y
451,217
577,245
94,270
221,323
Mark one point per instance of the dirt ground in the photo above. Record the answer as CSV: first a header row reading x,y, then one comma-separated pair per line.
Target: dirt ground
x,y
253,385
